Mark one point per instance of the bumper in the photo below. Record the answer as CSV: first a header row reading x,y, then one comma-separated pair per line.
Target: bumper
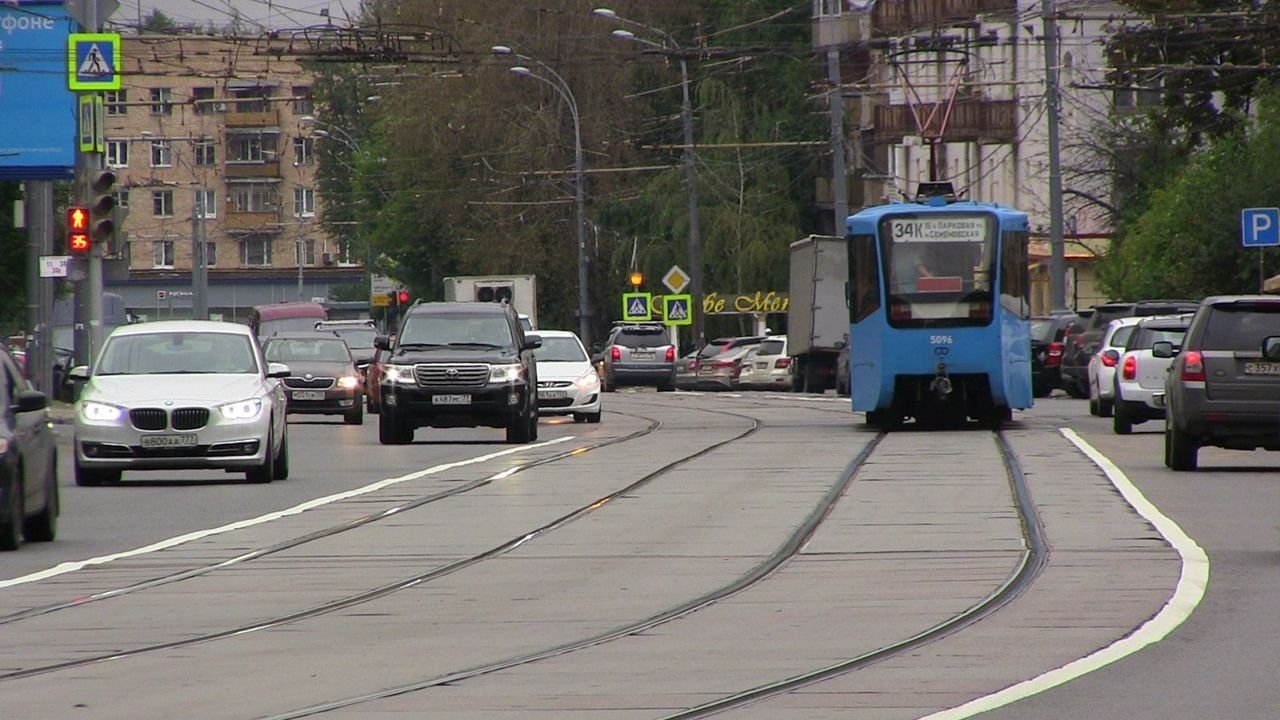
x,y
331,402
772,379
216,446
487,406
719,379
1140,402
656,374
575,400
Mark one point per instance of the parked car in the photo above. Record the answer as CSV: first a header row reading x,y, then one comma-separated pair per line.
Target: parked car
x,y
767,366
720,371
176,395
359,335
687,370
28,461
639,354
1102,365
1139,376
1085,344
1223,388
1047,336
324,380
567,381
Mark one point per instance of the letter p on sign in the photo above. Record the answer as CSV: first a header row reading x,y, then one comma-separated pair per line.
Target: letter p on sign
x,y
1260,227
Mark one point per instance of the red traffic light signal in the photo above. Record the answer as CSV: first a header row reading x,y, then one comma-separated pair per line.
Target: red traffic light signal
x,y
78,242
403,297
77,219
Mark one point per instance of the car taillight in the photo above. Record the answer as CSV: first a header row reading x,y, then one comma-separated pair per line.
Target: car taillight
x,y
1109,358
1054,356
722,363
1130,370
1192,366
671,354
615,353
782,363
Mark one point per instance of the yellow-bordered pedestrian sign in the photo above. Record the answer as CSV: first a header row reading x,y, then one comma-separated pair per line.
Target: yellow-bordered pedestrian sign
x,y
635,306
678,309
93,61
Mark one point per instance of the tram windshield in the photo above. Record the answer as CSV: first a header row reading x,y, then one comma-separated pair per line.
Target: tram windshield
x,y
939,268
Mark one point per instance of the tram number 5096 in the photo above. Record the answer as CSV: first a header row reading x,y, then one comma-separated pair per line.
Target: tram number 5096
x,y
941,340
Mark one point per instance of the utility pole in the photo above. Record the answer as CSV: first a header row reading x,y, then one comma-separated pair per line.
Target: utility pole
x,y
836,101
1057,250
199,263
88,292
695,234
38,211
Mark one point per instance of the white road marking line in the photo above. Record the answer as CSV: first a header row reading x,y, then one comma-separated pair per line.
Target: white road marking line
x,y
66,567
1186,597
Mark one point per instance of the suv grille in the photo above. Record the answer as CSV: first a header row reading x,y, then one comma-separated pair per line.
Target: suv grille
x,y
320,383
190,418
148,418
451,375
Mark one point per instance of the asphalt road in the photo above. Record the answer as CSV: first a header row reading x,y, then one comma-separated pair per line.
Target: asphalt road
x,y
923,553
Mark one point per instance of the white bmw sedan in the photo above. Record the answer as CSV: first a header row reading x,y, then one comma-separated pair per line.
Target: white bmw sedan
x,y
181,395
567,382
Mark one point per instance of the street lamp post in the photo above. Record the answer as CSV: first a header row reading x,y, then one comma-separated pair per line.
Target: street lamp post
x,y
579,172
694,248
345,138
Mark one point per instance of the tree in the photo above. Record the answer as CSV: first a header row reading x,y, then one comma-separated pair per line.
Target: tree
x,y
13,263
157,23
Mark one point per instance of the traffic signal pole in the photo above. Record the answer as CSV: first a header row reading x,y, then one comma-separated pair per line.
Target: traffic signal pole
x,y
88,272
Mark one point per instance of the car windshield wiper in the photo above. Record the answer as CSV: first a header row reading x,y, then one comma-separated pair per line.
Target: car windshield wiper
x,y
476,344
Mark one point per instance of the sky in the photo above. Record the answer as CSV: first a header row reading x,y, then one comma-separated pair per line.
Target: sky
x,y
255,14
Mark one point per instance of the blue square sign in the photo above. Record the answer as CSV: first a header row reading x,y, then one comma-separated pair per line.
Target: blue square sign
x,y
93,61
1260,227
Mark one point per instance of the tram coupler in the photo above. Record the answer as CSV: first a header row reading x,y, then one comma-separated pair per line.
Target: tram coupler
x,y
941,385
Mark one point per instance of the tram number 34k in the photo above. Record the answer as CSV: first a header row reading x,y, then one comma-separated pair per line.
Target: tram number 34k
x,y
941,340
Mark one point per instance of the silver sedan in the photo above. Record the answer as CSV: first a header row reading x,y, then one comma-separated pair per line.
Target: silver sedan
x,y
181,395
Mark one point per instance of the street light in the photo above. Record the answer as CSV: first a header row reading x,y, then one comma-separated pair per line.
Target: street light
x,y
352,144
579,170
672,48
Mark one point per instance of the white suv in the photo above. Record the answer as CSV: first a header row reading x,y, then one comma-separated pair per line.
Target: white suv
x,y
1140,375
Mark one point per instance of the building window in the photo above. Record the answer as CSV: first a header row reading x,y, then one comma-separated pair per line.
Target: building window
x,y
206,154
122,199
163,254
304,151
252,99
117,153
161,101
302,102
207,203
250,148
307,250
202,101
115,100
254,197
162,203
346,252
304,202
826,8
161,153
255,250
210,254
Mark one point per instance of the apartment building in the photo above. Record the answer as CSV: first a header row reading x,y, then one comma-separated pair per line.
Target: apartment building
x,y
211,141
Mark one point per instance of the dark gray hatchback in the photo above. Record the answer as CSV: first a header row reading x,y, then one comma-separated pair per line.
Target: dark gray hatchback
x,y
1223,388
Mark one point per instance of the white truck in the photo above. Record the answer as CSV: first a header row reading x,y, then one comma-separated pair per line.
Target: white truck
x,y
818,312
519,291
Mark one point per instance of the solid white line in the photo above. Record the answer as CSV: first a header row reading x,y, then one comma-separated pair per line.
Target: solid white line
x,y
66,567
1186,596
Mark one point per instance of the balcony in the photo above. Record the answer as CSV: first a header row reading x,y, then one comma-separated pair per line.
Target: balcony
x,y
252,170
269,117
972,120
907,16
265,221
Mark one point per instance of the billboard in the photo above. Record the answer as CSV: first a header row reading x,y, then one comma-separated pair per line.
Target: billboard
x,y
37,111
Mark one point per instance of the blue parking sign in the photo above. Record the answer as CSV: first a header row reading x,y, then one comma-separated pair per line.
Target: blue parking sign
x,y
1260,227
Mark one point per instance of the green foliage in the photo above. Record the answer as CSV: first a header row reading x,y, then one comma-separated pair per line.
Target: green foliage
x,y
13,263
157,23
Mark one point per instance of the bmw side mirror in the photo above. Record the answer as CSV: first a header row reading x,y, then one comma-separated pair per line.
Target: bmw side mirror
x,y
79,372
382,342
1271,347
532,342
30,401
1164,349
278,370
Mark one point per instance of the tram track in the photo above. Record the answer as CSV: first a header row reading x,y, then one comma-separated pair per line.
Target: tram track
x,y
383,590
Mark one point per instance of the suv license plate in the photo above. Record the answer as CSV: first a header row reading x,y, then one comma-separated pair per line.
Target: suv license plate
x,y
450,399
1261,368
553,394
168,441
308,395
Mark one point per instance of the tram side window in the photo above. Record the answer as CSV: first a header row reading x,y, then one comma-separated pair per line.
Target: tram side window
x,y
1015,286
864,278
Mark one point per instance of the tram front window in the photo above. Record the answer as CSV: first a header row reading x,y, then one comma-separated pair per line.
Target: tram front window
x,y
939,269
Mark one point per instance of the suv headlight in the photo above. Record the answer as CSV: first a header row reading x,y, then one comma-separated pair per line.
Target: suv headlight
x,y
399,374
505,373
100,413
242,411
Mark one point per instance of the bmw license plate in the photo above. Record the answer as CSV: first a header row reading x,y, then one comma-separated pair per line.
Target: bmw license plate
x,y
450,399
553,394
168,441
308,394
1261,368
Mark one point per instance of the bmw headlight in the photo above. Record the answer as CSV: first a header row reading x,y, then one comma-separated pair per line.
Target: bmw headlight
x,y
399,374
346,382
243,410
505,373
100,413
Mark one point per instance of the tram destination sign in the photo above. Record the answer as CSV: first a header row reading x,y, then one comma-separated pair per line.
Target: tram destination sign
x,y
973,229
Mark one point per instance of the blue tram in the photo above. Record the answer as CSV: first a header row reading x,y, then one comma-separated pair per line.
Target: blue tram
x,y
939,302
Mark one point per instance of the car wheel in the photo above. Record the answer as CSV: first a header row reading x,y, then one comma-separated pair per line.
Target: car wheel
x,y
1105,407
11,520
1043,390
1120,422
280,468
518,431
391,430
264,472
533,425
1093,406
86,477
609,384
579,417
594,417
1180,450
43,526
1074,390
356,416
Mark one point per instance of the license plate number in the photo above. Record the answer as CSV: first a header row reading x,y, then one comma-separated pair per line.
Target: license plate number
x,y
553,394
641,356
308,395
762,366
1261,368
168,441
450,399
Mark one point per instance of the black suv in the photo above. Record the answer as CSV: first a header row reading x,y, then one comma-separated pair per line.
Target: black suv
x,y
1082,346
1223,388
459,365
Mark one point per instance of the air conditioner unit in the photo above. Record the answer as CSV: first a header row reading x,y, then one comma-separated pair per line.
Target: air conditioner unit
x,y
495,292
327,258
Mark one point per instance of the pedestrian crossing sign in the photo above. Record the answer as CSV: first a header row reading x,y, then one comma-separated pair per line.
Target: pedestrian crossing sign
x,y
678,309
93,61
635,307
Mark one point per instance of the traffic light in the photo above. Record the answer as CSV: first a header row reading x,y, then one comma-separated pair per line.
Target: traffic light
x,y
78,242
637,278
402,298
102,204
